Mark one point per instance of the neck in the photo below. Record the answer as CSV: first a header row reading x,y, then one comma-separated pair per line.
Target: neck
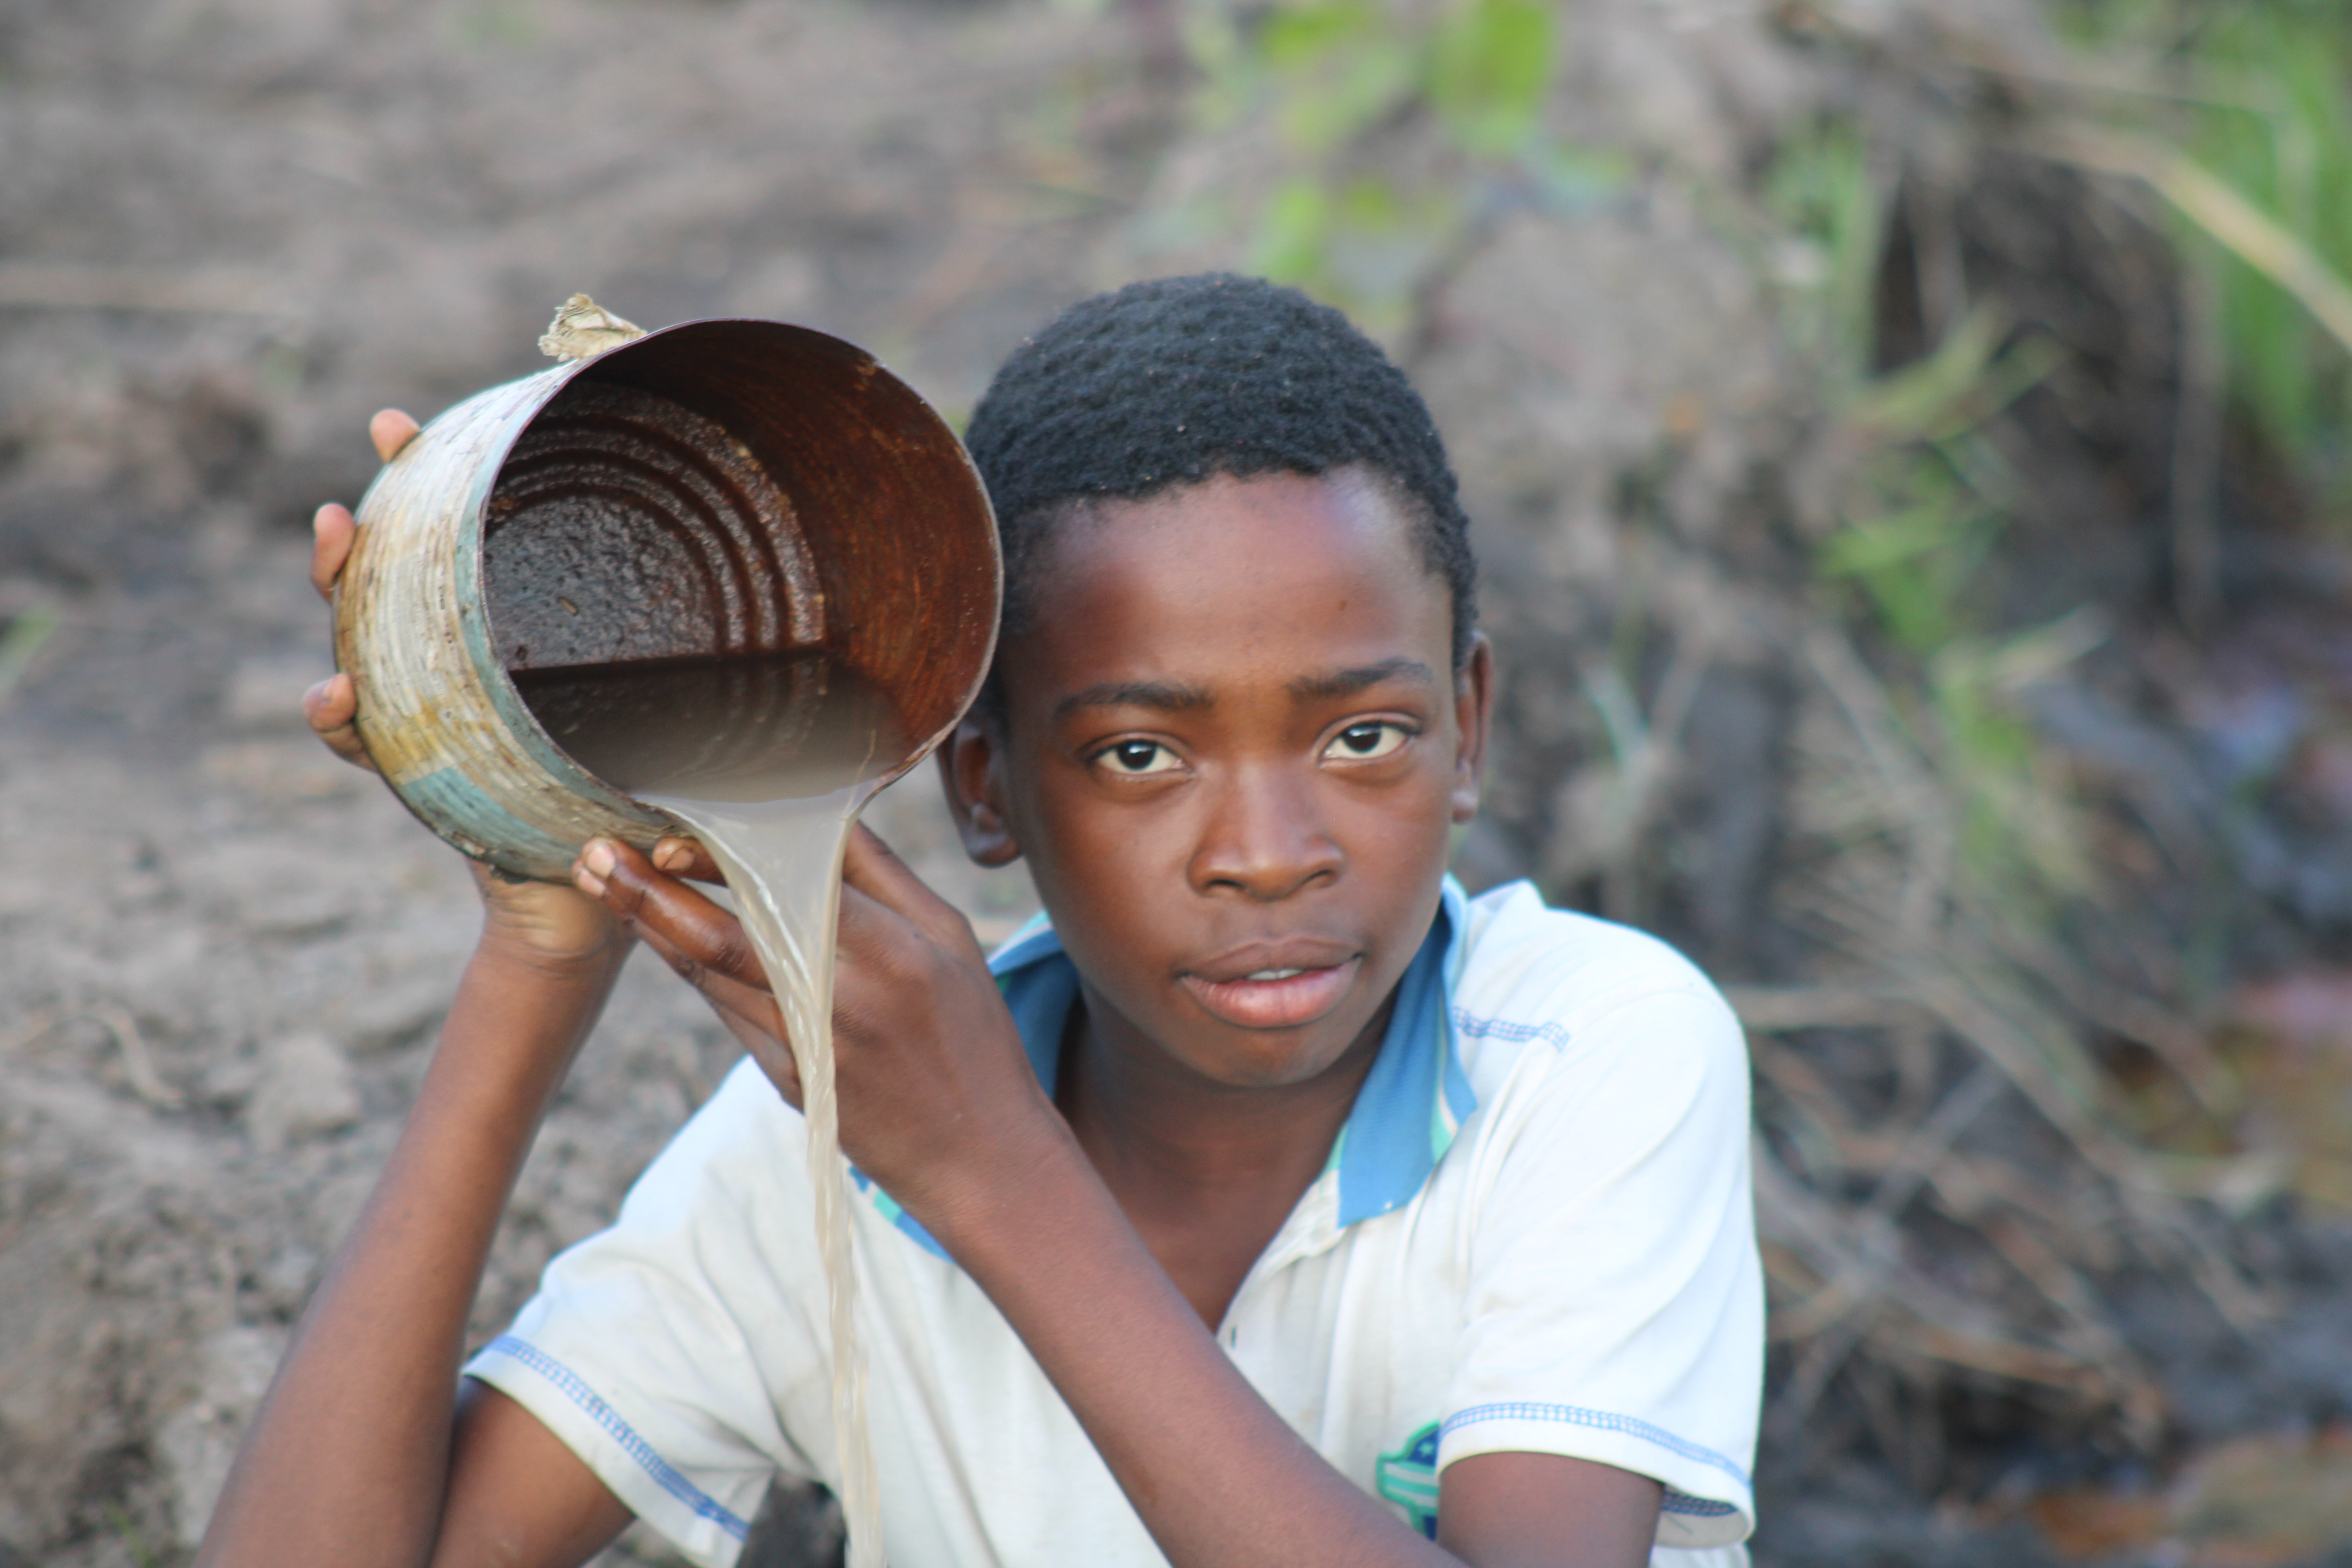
x,y
1202,1168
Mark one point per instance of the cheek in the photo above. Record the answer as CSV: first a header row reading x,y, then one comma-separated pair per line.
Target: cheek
x,y
1087,859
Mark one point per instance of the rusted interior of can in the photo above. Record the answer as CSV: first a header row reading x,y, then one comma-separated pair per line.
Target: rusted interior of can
x,y
627,527
742,491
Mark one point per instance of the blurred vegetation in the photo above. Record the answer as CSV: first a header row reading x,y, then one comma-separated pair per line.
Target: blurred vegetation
x,y
1332,85
1955,867
2258,99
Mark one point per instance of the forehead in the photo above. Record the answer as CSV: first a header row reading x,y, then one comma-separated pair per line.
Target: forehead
x,y
1273,575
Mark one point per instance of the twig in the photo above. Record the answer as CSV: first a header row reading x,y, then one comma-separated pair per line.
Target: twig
x,y
137,1066
1909,786
1928,1146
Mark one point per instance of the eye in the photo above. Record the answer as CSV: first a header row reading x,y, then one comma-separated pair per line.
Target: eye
x,y
1364,742
1137,759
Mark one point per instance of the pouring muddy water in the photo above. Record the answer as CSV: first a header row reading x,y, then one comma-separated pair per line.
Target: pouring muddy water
x,y
732,575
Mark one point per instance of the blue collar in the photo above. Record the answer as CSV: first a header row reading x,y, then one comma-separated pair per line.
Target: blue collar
x,y
1414,1100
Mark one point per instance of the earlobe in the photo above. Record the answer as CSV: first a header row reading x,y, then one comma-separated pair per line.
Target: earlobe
x,y
1474,703
972,776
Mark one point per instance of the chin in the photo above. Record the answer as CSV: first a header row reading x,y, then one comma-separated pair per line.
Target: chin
x,y
1295,1063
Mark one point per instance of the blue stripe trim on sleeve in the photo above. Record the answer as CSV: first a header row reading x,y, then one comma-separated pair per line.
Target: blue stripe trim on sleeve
x,y
576,1390
1706,1508
1600,1420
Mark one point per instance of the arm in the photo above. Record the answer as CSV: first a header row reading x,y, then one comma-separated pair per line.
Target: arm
x,y
938,1106
1217,1475
364,1450
350,1459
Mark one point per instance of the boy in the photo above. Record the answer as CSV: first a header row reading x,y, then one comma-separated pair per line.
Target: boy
x,y
1273,1204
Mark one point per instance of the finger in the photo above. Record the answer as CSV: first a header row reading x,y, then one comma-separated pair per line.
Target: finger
x,y
872,867
697,930
332,708
683,856
749,1013
740,1005
389,430
332,532
775,1058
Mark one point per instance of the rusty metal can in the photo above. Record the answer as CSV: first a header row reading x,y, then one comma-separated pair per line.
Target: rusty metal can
x,y
717,488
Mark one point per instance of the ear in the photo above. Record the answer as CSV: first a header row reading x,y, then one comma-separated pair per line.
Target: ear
x,y
971,774
1474,709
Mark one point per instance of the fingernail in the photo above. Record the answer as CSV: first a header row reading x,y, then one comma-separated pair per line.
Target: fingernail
x,y
587,881
670,855
598,857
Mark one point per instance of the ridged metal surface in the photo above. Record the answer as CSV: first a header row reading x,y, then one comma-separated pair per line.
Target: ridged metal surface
x,y
627,527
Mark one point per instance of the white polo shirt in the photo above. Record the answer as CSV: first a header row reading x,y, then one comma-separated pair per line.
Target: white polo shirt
x,y
1535,1234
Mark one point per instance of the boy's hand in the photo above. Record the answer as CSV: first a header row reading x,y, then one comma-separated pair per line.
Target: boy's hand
x,y
540,923
332,704
931,1070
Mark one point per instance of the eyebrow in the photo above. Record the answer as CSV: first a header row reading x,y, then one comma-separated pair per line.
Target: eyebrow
x,y
1164,696
1176,697
1336,683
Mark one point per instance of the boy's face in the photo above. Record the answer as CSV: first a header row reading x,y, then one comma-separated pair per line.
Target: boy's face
x,y
1234,746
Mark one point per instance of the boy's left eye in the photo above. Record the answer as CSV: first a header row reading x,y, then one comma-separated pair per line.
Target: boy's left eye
x,y
1136,758
1363,743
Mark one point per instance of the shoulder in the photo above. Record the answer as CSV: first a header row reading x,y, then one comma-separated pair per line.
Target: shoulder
x,y
1543,993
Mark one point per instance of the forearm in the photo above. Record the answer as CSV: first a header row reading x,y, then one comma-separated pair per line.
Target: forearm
x,y
1217,1477
348,1457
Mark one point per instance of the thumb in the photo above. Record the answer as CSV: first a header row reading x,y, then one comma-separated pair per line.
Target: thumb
x,y
391,429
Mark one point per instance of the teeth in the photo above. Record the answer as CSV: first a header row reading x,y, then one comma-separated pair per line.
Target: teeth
x,y
1276,973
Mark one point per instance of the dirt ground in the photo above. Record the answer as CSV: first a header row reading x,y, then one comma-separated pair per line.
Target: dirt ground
x,y
231,228
227,234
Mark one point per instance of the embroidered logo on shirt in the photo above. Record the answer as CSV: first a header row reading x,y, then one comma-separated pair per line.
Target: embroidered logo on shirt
x,y
1408,1479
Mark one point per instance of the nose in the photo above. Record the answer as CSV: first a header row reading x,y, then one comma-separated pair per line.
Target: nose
x,y
1263,837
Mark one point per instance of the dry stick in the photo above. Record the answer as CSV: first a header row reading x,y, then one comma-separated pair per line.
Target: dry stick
x,y
1909,786
2150,1189
1906,1313
1927,1147
1925,901
138,1065
1875,1258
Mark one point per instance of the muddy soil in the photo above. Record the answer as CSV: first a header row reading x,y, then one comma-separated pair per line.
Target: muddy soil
x,y
227,234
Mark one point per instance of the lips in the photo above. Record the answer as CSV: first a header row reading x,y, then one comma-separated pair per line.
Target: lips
x,y
1273,986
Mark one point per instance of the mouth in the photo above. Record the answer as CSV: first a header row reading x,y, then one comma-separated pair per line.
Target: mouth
x,y
1273,996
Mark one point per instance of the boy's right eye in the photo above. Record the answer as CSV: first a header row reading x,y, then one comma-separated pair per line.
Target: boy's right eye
x,y
1137,759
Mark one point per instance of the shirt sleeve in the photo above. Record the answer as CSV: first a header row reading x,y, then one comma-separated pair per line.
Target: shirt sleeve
x,y
634,1354
1615,1307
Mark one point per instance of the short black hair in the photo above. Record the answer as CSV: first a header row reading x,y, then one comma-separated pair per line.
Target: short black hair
x,y
1177,379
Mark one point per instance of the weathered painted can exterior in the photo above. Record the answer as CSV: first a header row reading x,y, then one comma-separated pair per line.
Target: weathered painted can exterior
x,y
436,711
